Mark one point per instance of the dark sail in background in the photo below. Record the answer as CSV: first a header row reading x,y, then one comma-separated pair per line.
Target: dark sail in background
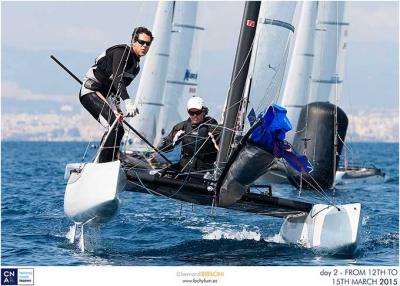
x,y
315,137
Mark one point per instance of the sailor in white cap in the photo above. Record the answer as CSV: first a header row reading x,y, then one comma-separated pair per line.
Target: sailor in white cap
x,y
199,135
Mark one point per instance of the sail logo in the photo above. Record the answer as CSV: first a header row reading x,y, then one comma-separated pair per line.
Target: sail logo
x,y
251,23
189,75
15,276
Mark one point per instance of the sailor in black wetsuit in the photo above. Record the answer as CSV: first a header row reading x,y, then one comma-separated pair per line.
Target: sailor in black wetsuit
x,y
199,135
103,92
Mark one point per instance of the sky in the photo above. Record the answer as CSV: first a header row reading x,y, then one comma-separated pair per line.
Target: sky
x,y
76,32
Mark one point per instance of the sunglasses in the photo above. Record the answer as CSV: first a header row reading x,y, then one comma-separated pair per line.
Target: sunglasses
x,y
198,112
141,42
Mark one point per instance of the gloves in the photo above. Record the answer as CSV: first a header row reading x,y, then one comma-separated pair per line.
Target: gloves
x,y
127,108
177,136
130,107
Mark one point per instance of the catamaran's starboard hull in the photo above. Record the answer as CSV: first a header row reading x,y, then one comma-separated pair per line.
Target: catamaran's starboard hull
x,y
324,227
92,194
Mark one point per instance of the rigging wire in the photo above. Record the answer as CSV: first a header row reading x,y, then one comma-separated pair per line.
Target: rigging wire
x,y
315,187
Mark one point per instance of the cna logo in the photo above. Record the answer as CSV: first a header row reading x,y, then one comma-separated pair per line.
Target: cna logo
x,y
189,75
9,276
15,276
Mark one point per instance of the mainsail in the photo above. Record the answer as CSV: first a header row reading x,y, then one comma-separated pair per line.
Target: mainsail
x,y
269,56
263,82
239,76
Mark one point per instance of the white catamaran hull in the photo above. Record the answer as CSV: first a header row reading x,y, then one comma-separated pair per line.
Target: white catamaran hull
x,y
93,192
324,227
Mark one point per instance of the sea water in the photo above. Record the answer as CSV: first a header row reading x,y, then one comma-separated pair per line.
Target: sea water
x,y
157,231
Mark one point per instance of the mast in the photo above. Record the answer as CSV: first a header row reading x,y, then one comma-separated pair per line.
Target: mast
x,y
238,80
268,57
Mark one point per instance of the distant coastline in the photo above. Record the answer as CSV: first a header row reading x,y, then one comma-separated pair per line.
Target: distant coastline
x,y
371,126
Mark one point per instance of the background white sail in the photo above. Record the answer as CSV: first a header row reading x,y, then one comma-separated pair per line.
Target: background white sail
x,y
183,69
149,95
269,54
296,90
329,49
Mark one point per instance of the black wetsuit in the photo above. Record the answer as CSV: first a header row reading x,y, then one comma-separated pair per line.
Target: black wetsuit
x,y
196,142
109,77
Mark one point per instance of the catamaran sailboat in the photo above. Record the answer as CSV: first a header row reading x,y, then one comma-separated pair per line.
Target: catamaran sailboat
x,y
245,154
351,174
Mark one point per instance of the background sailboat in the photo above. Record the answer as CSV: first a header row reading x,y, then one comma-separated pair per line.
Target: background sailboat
x,y
169,75
323,127
182,76
296,89
321,123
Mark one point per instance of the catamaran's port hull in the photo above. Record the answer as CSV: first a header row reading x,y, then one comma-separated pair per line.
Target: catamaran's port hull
x,y
92,192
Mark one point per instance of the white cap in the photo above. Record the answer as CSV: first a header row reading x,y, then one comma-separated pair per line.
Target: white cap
x,y
195,102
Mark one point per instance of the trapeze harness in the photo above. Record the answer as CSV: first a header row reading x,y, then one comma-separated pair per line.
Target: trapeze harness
x,y
113,71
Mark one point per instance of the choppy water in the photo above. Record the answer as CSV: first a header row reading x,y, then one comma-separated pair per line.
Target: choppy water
x,y
156,231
